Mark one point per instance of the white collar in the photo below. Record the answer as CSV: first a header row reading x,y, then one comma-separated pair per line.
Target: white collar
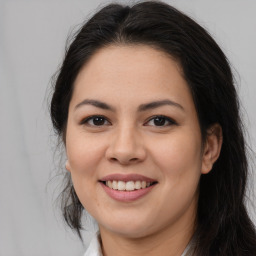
x,y
94,248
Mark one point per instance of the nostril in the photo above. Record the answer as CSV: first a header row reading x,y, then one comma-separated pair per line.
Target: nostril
x,y
124,161
113,159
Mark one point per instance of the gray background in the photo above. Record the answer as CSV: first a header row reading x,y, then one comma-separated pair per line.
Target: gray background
x,y
32,42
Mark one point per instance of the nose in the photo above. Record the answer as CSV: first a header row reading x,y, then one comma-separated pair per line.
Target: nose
x,y
126,147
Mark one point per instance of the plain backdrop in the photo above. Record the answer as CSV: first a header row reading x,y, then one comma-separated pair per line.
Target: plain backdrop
x,y
32,43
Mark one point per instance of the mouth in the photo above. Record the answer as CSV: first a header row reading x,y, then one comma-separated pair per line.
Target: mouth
x,y
131,185
127,182
127,187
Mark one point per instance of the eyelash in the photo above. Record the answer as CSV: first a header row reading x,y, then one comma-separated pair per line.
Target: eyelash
x,y
167,119
91,118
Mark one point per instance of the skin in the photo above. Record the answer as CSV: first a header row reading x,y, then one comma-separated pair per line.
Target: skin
x,y
128,141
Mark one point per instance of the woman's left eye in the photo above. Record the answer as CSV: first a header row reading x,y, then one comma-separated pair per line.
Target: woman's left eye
x,y
160,121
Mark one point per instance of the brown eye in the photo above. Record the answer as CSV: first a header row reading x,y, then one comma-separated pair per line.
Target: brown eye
x,y
98,121
160,121
95,121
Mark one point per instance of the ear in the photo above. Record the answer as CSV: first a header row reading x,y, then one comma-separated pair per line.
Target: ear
x,y
212,147
67,166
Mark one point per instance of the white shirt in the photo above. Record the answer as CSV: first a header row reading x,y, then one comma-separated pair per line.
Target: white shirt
x,y
94,248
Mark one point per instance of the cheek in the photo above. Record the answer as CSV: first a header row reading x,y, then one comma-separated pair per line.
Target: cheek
x,y
179,164
178,155
84,156
84,153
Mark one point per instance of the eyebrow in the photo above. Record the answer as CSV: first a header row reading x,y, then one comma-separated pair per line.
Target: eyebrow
x,y
157,104
95,103
141,108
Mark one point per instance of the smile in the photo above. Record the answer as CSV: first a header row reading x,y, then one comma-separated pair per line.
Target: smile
x,y
128,186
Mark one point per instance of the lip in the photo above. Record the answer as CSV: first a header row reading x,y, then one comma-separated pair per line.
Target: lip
x,y
126,196
126,177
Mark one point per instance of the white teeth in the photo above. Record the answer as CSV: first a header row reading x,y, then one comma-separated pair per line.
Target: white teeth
x,y
127,186
137,184
114,184
121,185
109,184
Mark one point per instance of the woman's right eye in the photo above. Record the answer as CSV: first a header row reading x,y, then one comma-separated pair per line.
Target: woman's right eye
x,y
95,121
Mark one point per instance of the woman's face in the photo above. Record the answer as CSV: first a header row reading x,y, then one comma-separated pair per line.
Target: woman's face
x,y
133,142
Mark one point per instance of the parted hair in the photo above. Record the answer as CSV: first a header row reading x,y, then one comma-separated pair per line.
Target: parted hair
x,y
223,225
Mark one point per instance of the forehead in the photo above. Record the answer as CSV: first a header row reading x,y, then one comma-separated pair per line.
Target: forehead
x,y
131,72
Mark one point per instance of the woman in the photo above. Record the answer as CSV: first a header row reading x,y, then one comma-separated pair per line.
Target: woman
x,y
146,106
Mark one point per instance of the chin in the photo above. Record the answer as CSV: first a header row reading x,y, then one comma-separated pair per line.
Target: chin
x,y
129,230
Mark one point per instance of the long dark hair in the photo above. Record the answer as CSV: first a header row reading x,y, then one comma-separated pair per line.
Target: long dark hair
x,y
223,225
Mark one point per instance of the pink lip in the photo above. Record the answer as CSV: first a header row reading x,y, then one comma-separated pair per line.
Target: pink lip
x,y
126,196
126,177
